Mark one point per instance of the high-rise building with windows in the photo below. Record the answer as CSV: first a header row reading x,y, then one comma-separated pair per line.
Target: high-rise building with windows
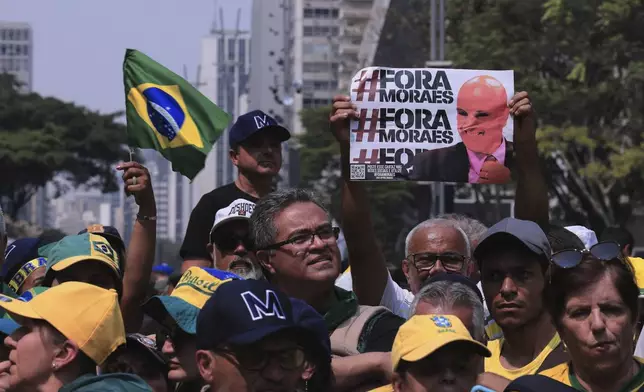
x,y
16,52
314,53
223,77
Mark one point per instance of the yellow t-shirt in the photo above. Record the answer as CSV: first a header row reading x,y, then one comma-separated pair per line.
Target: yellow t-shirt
x,y
638,270
564,375
384,388
493,363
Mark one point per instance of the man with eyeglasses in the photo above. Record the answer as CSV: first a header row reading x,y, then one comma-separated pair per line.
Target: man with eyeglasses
x,y
177,314
230,245
249,338
513,257
297,246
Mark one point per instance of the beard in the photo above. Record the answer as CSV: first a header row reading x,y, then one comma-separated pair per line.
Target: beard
x,y
245,268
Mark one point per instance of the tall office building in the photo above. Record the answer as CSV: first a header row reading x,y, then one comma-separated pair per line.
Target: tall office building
x,y
172,195
16,52
223,77
360,25
313,53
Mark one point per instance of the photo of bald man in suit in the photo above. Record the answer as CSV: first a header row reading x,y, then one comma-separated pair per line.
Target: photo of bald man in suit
x,y
484,155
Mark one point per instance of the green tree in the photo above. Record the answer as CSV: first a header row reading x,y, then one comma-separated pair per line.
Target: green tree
x,y
42,137
392,203
583,64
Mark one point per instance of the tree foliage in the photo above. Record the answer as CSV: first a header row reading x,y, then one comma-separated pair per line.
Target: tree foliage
x,y
43,137
392,203
583,64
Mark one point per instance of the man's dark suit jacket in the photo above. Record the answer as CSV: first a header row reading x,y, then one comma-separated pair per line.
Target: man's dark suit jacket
x,y
450,164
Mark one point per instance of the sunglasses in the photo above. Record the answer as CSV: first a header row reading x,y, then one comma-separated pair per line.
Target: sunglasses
x,y
571,258
230,242
256,359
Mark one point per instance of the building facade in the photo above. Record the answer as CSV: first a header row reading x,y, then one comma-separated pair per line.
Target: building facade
x,y
16,52
223,77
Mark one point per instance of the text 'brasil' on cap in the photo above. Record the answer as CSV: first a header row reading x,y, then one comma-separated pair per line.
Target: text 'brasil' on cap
x,y
88,315
422,335
180,309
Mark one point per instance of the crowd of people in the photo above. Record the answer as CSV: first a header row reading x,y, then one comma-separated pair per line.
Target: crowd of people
x,y
262,302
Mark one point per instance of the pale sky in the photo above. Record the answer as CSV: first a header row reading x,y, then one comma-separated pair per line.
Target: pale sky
x,y
79,44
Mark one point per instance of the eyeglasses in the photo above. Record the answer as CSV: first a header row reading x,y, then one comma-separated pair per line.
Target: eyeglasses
x,y
230,242
452,262
256,359
325,233
570,258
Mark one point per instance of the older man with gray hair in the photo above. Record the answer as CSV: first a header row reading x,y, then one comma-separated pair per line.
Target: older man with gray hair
x,y
456,295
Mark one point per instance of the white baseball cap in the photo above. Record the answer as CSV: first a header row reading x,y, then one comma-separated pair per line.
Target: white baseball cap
x,y
586,235
240,209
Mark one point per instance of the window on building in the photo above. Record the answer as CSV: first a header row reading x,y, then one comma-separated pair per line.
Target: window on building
x,y
10,34
335,13
18,49
25,34
241,51
25,65
309,12
3,49
231,49
3,34
25,50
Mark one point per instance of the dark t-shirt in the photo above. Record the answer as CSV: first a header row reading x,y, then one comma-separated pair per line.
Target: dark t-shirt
x,y
203,217
382,332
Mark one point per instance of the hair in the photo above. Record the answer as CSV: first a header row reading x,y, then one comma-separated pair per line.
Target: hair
x,y
474,229
437,222
446,295
263,231
618,234
85,364
561,238
564,282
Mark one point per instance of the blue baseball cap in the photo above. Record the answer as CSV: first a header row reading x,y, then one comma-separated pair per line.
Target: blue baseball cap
x,y
252,122
163,268
308,318
243,312
17,254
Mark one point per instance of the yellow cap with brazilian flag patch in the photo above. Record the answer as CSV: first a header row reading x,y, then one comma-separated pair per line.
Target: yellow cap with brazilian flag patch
x,y
182,307
85,314
422,335
74,249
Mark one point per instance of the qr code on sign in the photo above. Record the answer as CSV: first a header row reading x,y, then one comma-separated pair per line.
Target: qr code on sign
x,y
357,172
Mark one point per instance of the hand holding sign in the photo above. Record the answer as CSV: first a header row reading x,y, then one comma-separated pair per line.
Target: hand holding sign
x,y
343,111
523,113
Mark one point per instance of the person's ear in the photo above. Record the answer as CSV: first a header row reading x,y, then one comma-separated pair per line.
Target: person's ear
x,y
233,154
206,365
627,250
309,371
405,270
64,355
264,258
211,251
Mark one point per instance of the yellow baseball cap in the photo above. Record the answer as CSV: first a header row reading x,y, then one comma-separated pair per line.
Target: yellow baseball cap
x,y
422,335
182,307
86,314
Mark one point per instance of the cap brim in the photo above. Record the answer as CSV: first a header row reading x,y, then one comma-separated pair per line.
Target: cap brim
x,y
17,308
169,311
488,244
131,341
431,347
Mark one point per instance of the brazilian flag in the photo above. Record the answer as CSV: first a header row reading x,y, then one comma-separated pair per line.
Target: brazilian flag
x,y
166,113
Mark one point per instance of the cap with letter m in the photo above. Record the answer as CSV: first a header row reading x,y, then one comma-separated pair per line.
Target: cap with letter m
x,y
252,122
244,312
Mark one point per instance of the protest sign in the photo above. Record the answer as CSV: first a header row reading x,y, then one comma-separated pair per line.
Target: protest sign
x,y
450,125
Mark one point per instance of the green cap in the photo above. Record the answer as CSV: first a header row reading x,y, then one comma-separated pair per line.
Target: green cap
x,y
79,248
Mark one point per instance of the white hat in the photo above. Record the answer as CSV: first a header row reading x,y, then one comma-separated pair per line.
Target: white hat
x,y
237,210
586,235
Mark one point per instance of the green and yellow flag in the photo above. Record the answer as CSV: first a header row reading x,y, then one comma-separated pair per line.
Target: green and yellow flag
x,y
168,114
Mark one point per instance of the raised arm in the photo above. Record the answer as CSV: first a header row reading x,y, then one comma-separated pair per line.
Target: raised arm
x,y
368,268
531,198
140,252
